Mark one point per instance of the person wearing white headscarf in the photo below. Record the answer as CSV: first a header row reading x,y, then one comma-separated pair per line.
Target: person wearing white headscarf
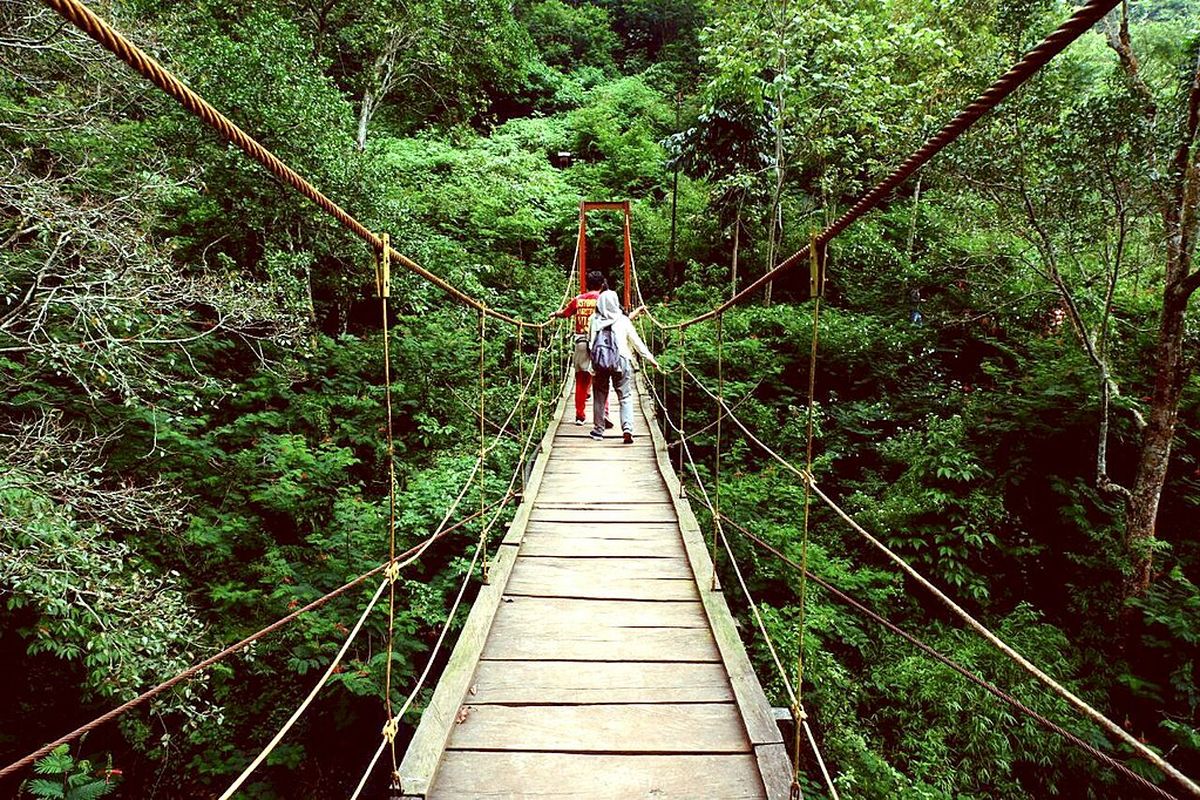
x,y
608,314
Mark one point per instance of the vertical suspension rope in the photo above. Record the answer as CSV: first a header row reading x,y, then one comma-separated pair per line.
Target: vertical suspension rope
x,y
482,447
537,365
816,287
717,471
520,334
682,437
664,341
383,280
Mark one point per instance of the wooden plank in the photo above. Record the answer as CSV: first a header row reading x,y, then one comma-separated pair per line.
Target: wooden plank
x,y
648,513
605,613
429,741
602,472
605,530
603,454
509,776
641,445
775,769
552,641
604,487
608,589
600,569
636,503
660,728
639,451
633,493
580,683
564,546
595,463
751,701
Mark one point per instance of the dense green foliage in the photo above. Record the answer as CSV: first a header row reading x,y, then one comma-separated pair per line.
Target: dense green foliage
x,y
192,411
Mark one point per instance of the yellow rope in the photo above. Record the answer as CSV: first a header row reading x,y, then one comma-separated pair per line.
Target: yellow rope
x,y
482,443
520,336
816,287
383,276
682,418
717,470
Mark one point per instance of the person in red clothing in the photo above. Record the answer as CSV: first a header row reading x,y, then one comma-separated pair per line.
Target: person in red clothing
x,y
581,307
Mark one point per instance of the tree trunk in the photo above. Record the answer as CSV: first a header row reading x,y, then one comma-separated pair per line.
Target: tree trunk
x,y
1179,196
672,273
364,118
1170,373
775,240
382,81
737,226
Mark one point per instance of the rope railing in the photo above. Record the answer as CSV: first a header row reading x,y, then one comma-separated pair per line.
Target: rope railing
x,y
224,653
390,728
304,704
941,658
1013,655
719,534
145,65
389,581
925,648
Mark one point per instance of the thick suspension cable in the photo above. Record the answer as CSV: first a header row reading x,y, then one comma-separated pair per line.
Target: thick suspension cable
x,y
1082,20
817,284
87,21
1057,688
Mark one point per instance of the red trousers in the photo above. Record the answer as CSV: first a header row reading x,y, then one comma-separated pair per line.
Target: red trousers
x,y
583,384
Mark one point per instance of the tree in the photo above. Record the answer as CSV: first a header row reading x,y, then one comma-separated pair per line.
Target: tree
x,y
1172,163
440,55
730,145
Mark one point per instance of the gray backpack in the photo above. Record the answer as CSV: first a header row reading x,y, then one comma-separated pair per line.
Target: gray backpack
x,y
604,352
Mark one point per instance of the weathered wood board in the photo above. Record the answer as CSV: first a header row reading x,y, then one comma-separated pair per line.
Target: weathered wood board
x,y
643,512
615,728
575,683
575,776
559,642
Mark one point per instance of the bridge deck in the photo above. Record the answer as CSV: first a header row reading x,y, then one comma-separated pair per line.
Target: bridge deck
x,y
599,663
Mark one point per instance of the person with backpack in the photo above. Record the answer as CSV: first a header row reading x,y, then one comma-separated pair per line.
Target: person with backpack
x,y
581,307
612,342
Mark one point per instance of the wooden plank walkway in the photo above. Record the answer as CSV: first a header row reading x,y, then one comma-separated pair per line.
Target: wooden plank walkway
x,y
599,663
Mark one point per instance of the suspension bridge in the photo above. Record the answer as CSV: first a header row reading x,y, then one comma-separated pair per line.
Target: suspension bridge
x,y
600,657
